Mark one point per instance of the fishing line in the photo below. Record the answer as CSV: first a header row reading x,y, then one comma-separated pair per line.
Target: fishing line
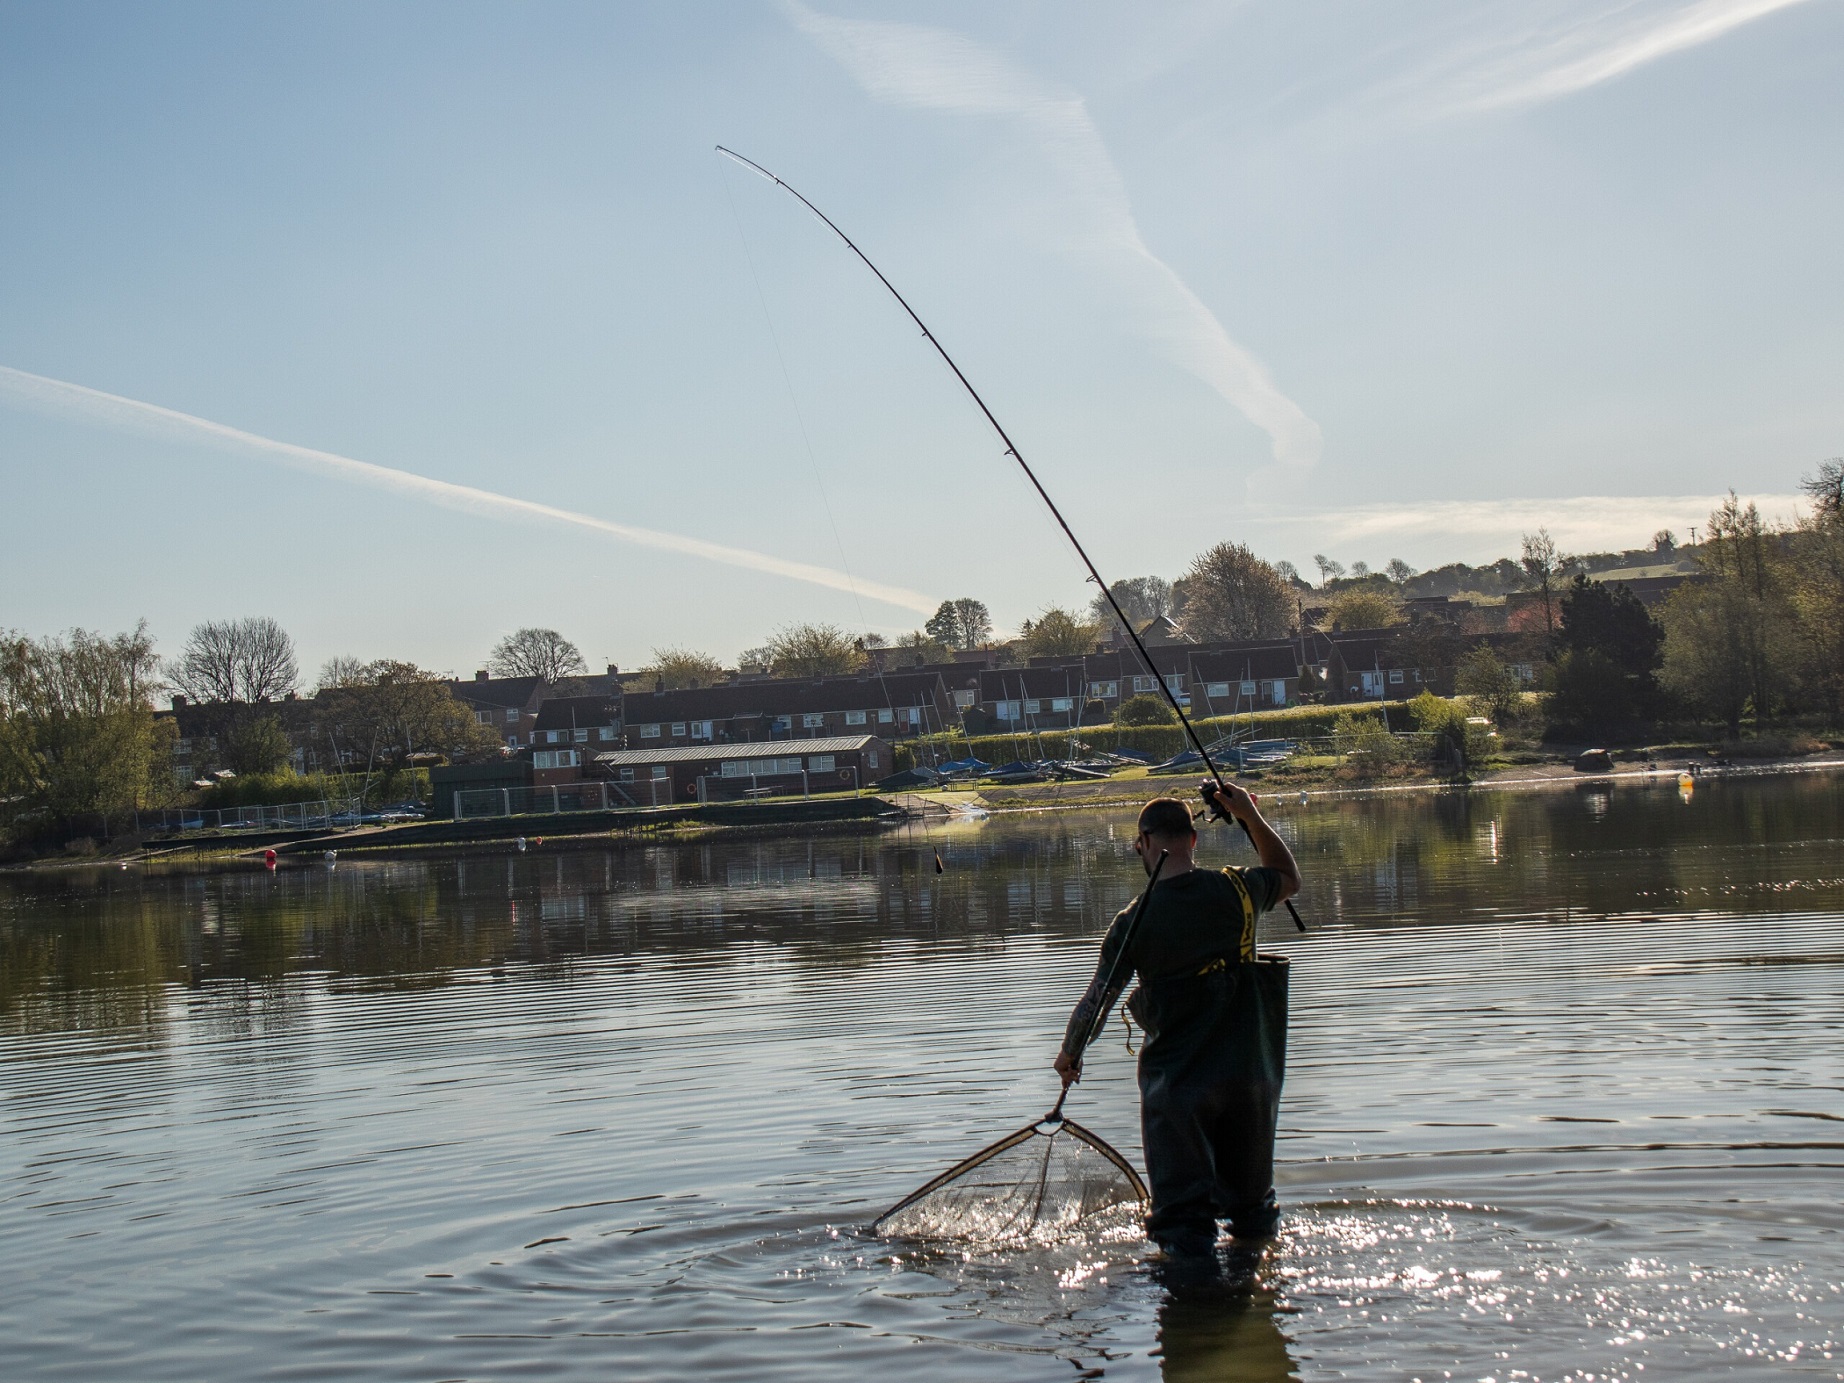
x,y
819,482
1012,451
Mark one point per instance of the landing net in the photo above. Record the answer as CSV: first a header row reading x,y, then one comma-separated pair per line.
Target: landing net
x,y
1049,1182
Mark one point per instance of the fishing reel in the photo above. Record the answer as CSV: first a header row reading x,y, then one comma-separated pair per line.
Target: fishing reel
x,y
1213,810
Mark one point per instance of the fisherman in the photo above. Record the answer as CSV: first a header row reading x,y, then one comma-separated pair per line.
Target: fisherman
x,y
1215,1023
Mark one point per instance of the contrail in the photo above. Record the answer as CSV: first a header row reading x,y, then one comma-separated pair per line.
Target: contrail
x,y
59,397
933,69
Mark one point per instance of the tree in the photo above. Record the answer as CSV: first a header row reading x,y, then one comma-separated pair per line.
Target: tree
x,y
388,711
1058,633
962,623
1399,571
1144,709
1815,587
1360,570
236,661
1542,563
1141,598
1489,683
541,653
1605,675
916,648
1362,607
1329,571
77,731
1230,593
1728,637
675,669
1291,575
813,650
341,670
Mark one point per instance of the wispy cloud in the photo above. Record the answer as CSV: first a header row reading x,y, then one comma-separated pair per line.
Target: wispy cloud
x,y
1546,62
932,69
75,400
1478,530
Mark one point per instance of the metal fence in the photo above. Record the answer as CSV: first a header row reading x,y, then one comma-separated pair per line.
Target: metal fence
x,y
597,796
289,816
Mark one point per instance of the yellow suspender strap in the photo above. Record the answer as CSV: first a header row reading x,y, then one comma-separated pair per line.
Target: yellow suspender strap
x,y
1246,951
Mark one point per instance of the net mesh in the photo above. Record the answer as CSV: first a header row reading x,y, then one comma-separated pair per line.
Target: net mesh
x,y
1045,1184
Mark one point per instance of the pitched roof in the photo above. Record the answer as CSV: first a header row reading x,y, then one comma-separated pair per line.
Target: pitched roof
x,y
1011,683
761,749
496,691
568,712
785,696
1262,662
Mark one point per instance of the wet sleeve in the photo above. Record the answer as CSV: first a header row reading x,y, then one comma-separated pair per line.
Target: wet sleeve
x,y
1265,886
1102,991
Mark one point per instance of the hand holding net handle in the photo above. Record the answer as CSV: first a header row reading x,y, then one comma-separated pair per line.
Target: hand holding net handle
x,y
1101,1016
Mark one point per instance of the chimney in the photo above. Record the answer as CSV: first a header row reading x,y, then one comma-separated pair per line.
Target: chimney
x,y
613,671
179,702
480,676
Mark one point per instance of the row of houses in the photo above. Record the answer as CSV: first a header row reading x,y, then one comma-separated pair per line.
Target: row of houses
x,y
560,734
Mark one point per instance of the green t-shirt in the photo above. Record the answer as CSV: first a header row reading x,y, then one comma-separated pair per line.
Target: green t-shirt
x,y
1190,921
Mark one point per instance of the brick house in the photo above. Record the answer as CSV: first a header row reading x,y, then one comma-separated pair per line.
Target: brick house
x,y
568,732
1245,677
890,706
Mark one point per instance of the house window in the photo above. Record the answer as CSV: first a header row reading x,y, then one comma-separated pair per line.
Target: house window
x,y
678,729
1215,689
649,732
1144,684
963,700
854,717
483,717
1107,690
552,736
1032,708
870,758
554,758
1277,692
580,735
757,768
1395,674
512,715
661,771
1062,703
812,720
820,763
1247,689
512,741
605,733
885,716
700,729
1005,710
915,715
627,773
1175,680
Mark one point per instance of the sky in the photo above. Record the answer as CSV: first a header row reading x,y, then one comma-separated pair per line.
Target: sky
x,y
412,325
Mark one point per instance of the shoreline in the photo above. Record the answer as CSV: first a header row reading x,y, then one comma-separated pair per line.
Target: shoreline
x,y
868,814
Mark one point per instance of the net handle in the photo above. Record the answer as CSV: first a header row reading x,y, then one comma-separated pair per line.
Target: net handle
x,y
1055,1115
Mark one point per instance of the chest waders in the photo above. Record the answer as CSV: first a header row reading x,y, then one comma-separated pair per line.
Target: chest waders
x,y
1210,1090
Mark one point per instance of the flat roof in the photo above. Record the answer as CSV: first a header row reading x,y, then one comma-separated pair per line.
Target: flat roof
x,y
756,749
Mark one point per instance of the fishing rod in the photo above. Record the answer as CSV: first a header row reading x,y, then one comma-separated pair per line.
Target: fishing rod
x,y
1012,451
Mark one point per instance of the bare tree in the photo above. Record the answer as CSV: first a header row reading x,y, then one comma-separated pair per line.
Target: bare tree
x,y
237,661
341,670
1399,571
1542,564
1826,488
1230,593
540,653
678,668
1329,571
1141,598
813,650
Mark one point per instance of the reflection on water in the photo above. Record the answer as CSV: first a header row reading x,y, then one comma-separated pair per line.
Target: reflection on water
x,y
1563,1101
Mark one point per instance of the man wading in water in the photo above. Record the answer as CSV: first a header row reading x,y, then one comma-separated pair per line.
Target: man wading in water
x,y
1210,1072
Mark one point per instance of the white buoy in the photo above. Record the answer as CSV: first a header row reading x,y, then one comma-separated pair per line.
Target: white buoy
x,y
330,856
521,844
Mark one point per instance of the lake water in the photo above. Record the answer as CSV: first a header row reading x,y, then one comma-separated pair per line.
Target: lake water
x,y
1565,1101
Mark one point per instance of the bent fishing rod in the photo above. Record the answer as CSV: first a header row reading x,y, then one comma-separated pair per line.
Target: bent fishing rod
x,y
1012,451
